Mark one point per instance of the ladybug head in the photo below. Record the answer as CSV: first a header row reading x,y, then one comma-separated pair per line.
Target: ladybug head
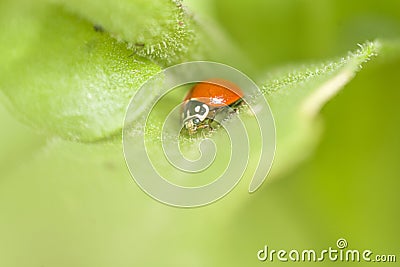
x,y
194,113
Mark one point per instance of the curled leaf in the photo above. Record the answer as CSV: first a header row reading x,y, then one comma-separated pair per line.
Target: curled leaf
x,y
64,77
160,30
296,97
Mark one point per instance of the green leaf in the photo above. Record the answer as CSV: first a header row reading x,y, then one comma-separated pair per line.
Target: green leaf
x,y
62,76
157,29
70,67
296,97
74,204
93,193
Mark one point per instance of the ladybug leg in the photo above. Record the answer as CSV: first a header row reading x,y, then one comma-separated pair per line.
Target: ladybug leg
x,y
210,119
213,124
207,125
203,126
211,114
236,106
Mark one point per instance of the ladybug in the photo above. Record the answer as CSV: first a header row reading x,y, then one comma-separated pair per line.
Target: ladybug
x,y
206,99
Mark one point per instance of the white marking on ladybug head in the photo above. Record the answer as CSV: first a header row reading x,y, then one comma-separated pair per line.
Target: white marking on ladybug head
x,y
195,112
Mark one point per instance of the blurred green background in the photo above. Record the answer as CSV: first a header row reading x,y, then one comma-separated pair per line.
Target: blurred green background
x,y
74,204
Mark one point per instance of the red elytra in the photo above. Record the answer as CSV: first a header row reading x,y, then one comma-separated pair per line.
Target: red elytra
x,y
215,93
